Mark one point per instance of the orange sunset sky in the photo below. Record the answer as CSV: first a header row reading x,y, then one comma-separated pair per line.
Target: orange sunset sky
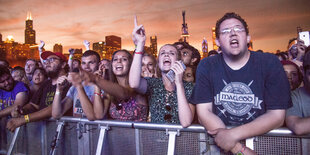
x,y
272,22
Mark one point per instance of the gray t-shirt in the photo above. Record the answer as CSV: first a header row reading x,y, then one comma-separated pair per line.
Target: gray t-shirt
x,y
301,103
73,94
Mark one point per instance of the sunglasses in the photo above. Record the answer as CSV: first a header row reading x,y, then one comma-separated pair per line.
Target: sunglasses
x,y
168,117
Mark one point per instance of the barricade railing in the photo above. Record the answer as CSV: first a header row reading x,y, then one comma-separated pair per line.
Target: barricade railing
x,y
79,136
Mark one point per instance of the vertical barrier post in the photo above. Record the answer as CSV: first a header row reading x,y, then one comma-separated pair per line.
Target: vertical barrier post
x,y
103,131
171,143
137,140
57,137
13,141
250,143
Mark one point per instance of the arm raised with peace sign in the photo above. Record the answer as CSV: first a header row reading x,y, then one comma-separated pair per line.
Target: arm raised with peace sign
x,y
138,36
135,80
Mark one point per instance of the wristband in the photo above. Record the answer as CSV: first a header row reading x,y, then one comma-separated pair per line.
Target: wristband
x,y
241,151
139,52
98,94
57,92
26,118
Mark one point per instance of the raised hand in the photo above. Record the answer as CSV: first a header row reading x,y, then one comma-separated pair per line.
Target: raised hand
x,y
88,77
75,78
179,69
61,83
71,51
86,44
138,34
41,46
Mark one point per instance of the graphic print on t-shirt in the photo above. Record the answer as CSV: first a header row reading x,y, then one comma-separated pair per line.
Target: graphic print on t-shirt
x,y
49,98
78,107
237,99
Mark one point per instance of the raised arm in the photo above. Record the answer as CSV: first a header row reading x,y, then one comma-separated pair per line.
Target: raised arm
x,y
109,87
186,110
135,80
59,107
87,105
40,48
86,44
70,61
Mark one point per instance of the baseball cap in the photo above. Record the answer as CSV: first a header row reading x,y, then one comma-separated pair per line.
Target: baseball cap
x,y
46,54
293,43
306,61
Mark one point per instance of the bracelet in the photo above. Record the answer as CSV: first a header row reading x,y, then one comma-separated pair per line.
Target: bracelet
x,y
57,92
139,52
241,151
26,118
98,94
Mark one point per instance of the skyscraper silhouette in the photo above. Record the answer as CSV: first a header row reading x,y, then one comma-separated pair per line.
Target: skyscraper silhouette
x,y
30,34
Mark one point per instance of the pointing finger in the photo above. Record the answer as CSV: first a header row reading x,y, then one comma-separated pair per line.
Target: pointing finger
x,y
136,21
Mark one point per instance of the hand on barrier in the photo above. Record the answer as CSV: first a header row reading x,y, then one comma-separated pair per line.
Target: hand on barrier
x,y
224,138
17,112
15,123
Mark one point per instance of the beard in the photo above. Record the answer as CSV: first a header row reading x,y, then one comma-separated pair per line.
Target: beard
x,y
54,73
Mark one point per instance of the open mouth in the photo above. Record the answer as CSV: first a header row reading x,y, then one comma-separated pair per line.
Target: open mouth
x,y
167,62
234,43
119,68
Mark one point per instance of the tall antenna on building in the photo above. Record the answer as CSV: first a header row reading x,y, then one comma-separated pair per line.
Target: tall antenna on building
x,y
185,34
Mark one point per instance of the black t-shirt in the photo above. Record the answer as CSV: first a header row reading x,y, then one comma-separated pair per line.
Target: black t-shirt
x,y
240,96
45,95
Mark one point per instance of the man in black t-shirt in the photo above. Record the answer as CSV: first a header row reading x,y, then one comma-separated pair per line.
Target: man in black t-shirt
x,y
39,107
240,88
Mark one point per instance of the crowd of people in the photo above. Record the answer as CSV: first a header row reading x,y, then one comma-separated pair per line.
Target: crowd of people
x,y
232,87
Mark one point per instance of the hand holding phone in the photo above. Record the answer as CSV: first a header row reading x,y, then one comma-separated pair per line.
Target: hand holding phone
x,y
305,37
171,75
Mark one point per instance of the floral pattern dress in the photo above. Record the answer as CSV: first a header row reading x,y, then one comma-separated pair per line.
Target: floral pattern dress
x,y
162,103
129,110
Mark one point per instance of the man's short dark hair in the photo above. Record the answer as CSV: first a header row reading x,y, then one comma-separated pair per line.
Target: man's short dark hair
x,y
230,15
212,52
91,52
180,43
4,70
195,53
6,63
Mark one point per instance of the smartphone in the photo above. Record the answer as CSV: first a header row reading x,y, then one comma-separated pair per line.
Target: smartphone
x,y
305,36
171,75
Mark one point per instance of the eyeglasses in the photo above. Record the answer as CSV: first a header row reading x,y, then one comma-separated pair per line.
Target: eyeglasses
x,y
49,60
235,29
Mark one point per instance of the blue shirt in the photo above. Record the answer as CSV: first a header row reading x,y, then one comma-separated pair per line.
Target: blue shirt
x,y
7,98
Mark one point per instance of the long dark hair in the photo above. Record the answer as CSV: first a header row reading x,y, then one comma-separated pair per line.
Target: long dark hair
x,y
113,77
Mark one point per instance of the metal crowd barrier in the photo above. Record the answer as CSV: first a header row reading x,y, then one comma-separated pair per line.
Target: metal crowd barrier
x,y
78,136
